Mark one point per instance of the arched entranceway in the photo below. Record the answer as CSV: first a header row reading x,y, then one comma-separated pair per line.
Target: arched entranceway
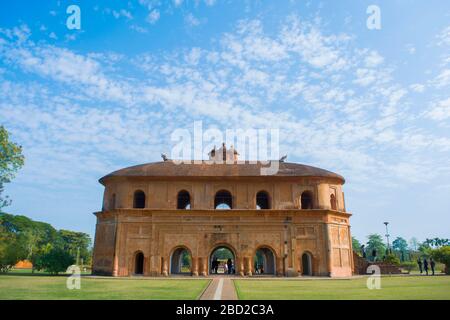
x,y
222,261
306,264
139,263
181,261
264,261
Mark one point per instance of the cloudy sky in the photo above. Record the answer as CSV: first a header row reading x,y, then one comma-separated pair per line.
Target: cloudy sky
x,y
370,104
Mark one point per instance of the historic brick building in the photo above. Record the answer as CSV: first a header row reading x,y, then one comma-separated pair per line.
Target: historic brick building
x,y
153,212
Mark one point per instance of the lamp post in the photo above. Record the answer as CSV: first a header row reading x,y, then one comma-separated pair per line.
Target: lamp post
x,y
387,236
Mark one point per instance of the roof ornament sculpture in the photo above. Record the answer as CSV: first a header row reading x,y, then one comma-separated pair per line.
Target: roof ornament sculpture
x,y
283,158
164,157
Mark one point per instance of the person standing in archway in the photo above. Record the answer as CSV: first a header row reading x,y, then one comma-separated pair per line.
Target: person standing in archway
x,y
229,265
214,265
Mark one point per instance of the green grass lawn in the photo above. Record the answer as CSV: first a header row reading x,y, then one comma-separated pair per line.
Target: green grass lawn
x,y
26,286
411,287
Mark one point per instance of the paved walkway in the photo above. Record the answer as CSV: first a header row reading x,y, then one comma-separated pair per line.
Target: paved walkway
x,y
220,288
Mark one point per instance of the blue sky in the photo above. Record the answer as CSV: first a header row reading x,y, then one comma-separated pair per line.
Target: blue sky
x,y
372,105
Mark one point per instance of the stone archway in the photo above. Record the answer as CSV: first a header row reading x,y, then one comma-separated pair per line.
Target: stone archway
x,y
181,261
264,261
220,258
306,261
139,263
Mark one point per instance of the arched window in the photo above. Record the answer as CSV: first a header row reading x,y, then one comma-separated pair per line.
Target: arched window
x,y
333,202
139,263
112,204
139,199
262,200
183,200
223,200
306,200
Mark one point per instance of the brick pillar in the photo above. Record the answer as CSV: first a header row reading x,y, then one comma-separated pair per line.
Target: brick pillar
x,y
249,266
165,270
328,250
203,266
194,270
240,266
279,266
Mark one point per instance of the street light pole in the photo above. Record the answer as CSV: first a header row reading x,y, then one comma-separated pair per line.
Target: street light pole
x,y
387,236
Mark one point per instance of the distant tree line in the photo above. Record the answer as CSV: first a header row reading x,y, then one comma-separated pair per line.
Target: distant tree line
x,y
45,247
402,252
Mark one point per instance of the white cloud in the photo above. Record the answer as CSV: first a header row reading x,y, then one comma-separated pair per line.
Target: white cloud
x,y
440,110
191,20
122,13
443,38
153,16
138,29
417,87
373,59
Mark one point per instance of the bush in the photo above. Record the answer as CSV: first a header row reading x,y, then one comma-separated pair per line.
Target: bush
x,y
392,259
408,265
442,255
54,261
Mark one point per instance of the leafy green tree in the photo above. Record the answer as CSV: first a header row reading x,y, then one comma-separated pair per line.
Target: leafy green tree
x,y
11,160
375,242
9,250
356,245
55,260
75,243
401,246
442,255
436,242
392,259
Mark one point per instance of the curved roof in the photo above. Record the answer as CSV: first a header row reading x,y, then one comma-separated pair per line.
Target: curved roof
x,y
204,169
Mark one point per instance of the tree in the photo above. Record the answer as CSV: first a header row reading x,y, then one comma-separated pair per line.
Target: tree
x,y
11,160
414,243
9,250
442,255
436,242
75,243
55,260
400,245
375,242
391,259
356,245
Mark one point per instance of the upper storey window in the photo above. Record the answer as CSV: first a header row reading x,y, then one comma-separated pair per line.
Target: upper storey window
x,y
223,200
184,200
139,199
306,200
333,202
262,200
